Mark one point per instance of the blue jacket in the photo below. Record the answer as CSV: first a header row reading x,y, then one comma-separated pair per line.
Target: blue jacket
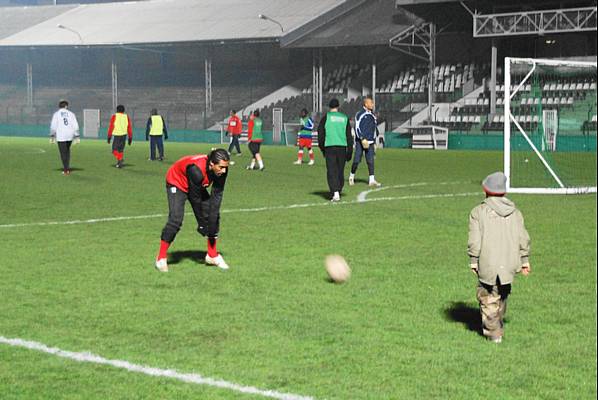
x,y
365,125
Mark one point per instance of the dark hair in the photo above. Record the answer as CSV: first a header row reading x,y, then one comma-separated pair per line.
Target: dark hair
x,y
256,113
334,103
153,112
63,103
218,155
120,108
233,111
304,110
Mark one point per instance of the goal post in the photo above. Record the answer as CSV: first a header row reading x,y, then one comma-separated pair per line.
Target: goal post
x,y
548,106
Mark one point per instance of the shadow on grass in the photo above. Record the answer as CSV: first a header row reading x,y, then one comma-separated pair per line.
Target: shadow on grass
x,y
72,169
321,193
177,256
466,314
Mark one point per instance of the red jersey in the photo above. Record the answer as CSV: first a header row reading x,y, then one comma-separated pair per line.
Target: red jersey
x,y
177,173
234,125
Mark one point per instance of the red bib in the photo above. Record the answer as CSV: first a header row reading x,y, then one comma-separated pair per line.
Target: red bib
x,y
177,173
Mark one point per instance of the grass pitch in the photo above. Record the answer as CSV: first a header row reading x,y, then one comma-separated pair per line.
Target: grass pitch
x,y
404,327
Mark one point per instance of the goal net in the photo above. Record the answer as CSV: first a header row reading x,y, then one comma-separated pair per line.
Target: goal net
x,y
550,126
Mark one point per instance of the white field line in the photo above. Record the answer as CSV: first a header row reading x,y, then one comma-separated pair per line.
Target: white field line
x,y
242,210
361,197
35,150
166,373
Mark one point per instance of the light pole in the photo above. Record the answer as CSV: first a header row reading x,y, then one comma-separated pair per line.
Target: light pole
x,y
266,18
66,28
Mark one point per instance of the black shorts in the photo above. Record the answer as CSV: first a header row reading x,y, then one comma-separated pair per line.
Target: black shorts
x,y
118,143
254,147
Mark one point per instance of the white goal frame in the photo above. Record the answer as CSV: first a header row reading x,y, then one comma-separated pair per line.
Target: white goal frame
x,y
509,118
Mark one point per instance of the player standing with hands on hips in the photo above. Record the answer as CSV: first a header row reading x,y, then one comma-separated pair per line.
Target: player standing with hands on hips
x,y
120,127
156,133
64,130
188,179
365,132
336,142
498,247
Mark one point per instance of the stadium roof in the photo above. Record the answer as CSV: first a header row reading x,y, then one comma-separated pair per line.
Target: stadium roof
x,y
157,21
371,22
16,19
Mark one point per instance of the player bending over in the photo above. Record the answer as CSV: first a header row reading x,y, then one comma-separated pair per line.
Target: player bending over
x,y
188,179
307,127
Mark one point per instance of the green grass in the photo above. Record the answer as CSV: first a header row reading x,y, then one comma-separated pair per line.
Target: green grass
x,y
399,329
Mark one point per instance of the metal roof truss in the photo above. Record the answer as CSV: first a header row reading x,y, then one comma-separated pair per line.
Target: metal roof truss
x,y
539,22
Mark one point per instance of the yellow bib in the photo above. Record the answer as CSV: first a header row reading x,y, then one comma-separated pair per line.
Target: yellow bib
x,y
157,126
121,123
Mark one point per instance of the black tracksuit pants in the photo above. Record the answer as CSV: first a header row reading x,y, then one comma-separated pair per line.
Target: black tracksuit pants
x,y
200,203
65,154
336,158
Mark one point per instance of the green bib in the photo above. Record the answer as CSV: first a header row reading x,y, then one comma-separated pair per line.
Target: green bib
x,y
336,128
257,129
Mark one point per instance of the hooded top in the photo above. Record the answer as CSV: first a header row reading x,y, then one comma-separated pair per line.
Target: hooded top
x,y
498,241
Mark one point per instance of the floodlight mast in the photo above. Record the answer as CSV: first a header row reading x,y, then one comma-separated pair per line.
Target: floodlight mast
x,y
66,28
266,18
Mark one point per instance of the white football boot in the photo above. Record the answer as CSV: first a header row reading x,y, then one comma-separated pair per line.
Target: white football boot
x,y
217,261
162,265
351,180
374,184
311,162
298,162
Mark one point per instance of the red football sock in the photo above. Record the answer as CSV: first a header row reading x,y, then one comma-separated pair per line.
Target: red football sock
x,y
163,249
212,252
120,155
311,155
300,155
115,154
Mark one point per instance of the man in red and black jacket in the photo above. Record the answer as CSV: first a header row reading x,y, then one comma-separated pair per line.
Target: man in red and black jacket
x,y
189,179
234,129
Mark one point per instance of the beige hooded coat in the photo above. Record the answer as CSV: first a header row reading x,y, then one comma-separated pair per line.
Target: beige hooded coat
x,y
498,241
